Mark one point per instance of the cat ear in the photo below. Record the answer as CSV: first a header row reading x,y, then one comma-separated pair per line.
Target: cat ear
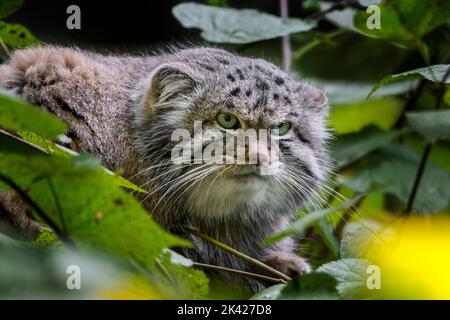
x,y
168,81
315,98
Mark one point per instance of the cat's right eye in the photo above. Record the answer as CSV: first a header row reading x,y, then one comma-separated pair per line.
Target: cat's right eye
x,y
227,121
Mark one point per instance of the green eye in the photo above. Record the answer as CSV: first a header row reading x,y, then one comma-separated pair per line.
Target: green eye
x,y
281,129
227,121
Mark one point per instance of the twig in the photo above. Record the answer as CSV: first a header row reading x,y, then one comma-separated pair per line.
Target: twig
x,y
243,273
285,40
64,238
237,253
426,153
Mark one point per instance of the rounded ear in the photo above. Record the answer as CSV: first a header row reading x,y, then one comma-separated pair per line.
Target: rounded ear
x,y
168,81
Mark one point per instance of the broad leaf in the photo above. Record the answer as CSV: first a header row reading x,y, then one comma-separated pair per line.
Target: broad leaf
x,y
271,293
351,275
226,25
352,117
431,124
435,73
17,115
393,168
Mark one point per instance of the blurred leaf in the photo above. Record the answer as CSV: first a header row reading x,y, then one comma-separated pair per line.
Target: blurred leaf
x,y
16,35
310,286
299,226
311,5
8,7
271,293
352,117
17,115
326,231
435,73
405,22
393,168
431,124
185,282
351,275
347,149
226,25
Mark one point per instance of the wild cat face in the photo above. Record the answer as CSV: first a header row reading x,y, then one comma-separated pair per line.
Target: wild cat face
x,y
220,133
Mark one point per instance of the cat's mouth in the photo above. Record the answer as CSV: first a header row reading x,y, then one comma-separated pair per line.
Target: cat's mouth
x,y
245,174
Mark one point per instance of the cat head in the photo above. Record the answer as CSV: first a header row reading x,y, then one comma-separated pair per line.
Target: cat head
x,y
197,102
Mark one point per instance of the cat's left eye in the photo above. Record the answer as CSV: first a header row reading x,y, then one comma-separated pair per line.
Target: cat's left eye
x,y
281,129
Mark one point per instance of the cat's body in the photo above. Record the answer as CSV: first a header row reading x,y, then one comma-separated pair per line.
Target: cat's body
x,y
124,110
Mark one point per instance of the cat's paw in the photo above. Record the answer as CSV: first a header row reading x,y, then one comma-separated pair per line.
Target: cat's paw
x,y
40,73
288,263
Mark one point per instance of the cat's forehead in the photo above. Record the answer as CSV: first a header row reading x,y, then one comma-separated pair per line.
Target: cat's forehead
x,y
254,88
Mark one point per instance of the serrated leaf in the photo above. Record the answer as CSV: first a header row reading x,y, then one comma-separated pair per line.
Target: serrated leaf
x,y
351,275
435,73
347,149
393,168
8,7
225,25
430,124
16,35
17,115
310,286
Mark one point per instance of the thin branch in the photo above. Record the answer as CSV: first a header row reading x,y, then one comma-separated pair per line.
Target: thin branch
x,y
285,40
64,238
237,253
242,273
426,152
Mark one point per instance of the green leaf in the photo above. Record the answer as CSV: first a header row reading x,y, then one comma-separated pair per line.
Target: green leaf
x,y
352,117
271,293
431,124
299,226
16,35
17,115
349,148
405,22
225,25
311,286
435,73
8,7
393,169
351,275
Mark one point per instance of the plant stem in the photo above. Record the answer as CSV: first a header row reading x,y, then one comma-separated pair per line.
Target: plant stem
x,y
237,253
64,238
243,273
286,41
